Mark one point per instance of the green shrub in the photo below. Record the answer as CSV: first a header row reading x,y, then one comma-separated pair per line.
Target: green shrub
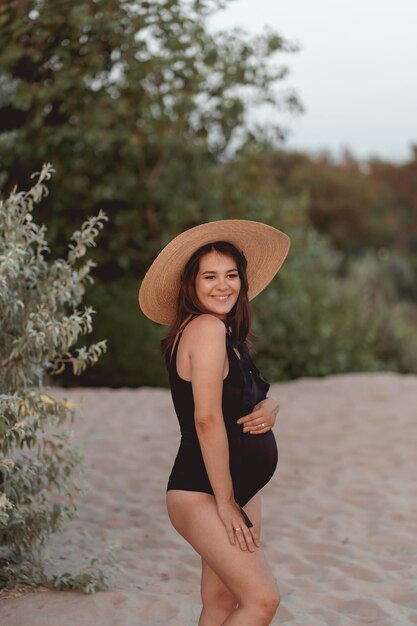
x,y
316,321
387,280
132,357
39,323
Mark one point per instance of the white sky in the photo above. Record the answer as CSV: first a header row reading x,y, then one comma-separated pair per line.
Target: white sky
x,y
356,71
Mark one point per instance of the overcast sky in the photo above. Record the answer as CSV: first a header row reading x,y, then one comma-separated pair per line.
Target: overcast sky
x,y
356,71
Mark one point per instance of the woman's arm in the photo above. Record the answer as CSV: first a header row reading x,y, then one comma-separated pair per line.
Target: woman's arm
x,y
207,356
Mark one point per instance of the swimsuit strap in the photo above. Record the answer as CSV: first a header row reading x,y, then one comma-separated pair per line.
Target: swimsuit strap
x,y
169,355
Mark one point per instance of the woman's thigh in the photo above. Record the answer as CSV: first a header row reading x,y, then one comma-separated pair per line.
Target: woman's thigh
x,y
212,586
246,574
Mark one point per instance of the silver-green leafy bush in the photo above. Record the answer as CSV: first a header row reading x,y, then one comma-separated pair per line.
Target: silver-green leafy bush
x,y
39,324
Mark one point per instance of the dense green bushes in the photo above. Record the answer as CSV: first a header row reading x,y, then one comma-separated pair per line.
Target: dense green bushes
x,y
314,320
132,355
311,322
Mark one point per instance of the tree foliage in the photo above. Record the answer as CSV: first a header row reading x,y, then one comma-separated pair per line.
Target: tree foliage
x,y
402,181
39,324
135,103
361,206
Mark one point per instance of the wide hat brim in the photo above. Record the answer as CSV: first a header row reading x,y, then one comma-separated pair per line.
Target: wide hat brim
x,y
264,247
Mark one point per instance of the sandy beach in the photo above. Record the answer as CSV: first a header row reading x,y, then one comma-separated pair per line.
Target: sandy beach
x,y
339,516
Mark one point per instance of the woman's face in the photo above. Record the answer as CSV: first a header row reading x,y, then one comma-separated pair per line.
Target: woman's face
x,y
217,283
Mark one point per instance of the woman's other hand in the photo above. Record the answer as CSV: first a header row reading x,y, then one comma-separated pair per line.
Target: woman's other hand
x,y
236,528
262,417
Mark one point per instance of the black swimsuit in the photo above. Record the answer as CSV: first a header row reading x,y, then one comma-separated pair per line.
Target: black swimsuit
x,y
253,458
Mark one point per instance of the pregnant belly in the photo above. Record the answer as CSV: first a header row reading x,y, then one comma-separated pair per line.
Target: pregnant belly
x,y
258,463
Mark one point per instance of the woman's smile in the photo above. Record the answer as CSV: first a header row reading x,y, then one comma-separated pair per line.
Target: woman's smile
x,y
222,298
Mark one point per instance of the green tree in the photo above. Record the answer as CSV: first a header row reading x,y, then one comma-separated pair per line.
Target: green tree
x,y
402,180
135,103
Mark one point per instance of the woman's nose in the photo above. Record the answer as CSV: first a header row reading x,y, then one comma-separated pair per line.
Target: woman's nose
x,y
222,283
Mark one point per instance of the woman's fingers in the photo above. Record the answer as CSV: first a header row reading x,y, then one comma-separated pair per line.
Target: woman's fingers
x,y
250,417
263,428
244,538
231,534
257,427
236,528
256,419
240,537
248,539
255,537
261,419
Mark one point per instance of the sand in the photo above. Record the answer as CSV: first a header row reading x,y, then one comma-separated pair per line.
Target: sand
x,y
339,516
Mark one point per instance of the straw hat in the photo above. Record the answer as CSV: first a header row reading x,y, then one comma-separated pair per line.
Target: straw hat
x,y
264,247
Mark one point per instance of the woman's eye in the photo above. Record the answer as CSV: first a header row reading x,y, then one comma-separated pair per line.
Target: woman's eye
x,y
229,276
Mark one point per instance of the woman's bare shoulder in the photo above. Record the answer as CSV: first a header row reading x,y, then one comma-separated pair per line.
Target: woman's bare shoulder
x,y
205,327
206,320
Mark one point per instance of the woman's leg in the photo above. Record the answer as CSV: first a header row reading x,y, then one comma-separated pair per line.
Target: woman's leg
x,y
246,574
218,601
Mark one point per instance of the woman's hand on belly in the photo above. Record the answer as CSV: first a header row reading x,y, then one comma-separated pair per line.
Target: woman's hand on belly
x,y
262,417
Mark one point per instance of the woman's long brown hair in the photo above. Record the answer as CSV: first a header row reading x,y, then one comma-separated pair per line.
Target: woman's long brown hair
x,y
239,318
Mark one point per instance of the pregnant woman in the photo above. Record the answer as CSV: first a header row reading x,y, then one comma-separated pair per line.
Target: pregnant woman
x,y
201,285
